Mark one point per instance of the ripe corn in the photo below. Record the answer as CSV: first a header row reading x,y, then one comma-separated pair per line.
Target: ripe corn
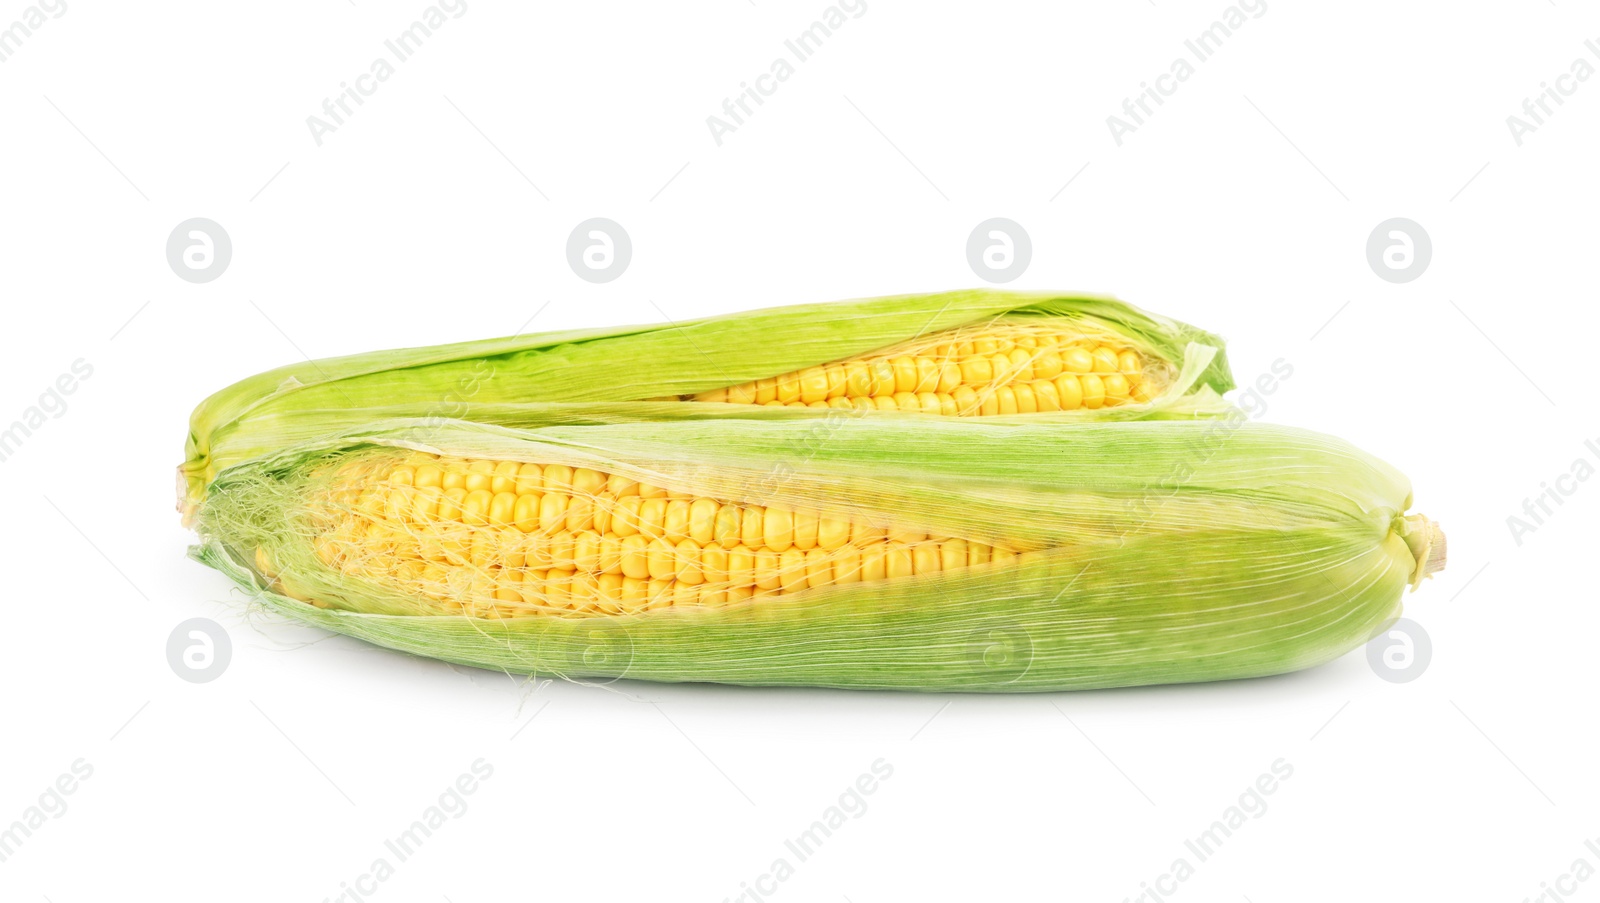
x,y
983,352
886,552
506,539
1005,366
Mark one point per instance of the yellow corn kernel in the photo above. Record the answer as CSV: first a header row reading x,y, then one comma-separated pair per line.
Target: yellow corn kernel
x,y
1006,397
635,557
653,516
847,565
1078,360
766,569
741,568
610,554
813,384
428,476
806,523
675,521
1047,365
1045,396
502,507
1094,391
480,476
475,509
625,515
873,562
561,548
659,559
819,568
750,532
1027,403
425,505
529,479
789,387
952,554
552,512
777,530
634,595
792,570
1070,392
897,561
605,593
586,551
686,559
714,565
504,478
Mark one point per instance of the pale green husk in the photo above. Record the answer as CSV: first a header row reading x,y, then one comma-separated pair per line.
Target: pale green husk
x,y
495,380
1176,551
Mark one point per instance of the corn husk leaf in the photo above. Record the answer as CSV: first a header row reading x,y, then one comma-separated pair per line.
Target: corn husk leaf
x,y
1164,552
496,380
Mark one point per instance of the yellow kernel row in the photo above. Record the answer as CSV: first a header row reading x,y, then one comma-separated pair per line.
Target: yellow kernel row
x,y
689,576
927,375
551,512
1065,393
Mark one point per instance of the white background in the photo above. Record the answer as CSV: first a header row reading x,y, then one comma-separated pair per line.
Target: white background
x,y
1243,205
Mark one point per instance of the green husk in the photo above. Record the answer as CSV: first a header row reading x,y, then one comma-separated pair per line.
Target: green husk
x,y
509,380
1171,552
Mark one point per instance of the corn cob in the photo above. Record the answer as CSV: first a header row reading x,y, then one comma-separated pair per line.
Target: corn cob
x,y
1004,366
502,539
956,353
911,553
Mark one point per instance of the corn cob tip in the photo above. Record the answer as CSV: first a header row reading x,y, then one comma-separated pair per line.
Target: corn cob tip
x,y
1427,542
